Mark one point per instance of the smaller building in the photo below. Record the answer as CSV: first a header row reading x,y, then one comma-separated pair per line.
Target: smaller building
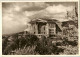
x,y
70,30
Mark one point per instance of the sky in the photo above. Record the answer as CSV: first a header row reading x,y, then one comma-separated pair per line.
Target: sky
x,y
17,15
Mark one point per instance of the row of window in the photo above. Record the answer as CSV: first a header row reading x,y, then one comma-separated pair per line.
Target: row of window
x,y
51,31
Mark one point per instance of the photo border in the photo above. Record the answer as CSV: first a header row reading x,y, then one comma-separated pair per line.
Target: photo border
x,y
38,1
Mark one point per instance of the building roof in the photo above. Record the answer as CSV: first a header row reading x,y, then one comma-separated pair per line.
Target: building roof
x,y
43,20
71,22
48,21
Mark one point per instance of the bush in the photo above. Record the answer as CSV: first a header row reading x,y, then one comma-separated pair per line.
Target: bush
x,y
31,44
59,44
73,43
18,43
4,44
26,51
56,50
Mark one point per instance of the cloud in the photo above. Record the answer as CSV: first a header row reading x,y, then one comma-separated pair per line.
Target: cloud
x,y
13,23
36,6
59,9
16,15
55,11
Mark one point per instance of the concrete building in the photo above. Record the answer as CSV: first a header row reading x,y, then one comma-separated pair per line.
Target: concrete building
x,y
45,27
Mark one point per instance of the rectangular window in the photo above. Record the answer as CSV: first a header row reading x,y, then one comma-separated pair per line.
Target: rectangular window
x,y
51,31
44,27
34,32
51,25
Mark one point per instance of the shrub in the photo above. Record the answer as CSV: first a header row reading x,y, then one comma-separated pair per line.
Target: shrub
x,y
29,50
73,43
59,44
56,50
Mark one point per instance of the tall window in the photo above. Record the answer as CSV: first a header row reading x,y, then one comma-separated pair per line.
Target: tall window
x,y
44,28
51,25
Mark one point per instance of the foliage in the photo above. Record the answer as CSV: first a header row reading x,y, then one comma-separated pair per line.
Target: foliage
x,y
31,44
67,42
30,50
16,43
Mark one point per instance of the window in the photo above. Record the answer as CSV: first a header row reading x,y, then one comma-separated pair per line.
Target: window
x,y
51,31
34,27
44,27
51,25
34,32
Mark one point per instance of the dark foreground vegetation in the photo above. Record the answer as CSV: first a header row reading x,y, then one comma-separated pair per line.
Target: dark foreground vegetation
x,y
32,45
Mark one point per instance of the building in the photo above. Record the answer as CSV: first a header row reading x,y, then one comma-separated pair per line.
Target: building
x,y
52,27
70,30
45,27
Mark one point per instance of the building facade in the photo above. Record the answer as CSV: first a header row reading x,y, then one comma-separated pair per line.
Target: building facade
x,y
45,27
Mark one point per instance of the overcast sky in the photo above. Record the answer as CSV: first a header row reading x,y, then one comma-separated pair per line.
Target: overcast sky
x,y
16,15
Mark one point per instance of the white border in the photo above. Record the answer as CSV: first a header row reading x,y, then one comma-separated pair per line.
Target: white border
x,y
0,29
35,1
